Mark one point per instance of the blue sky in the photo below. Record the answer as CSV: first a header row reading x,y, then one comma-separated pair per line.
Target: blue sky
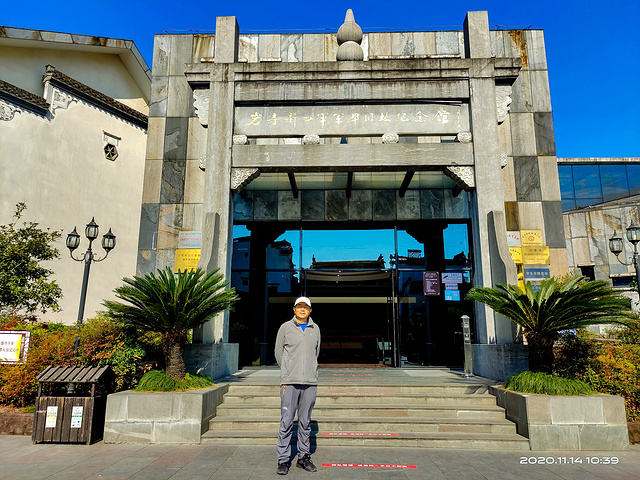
x,y
592,46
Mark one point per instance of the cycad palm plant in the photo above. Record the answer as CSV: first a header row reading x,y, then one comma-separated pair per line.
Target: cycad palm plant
x,y
172,304
557,306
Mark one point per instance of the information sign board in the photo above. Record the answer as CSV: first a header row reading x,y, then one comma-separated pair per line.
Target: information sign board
x,y
452,295
451,277
431,283
14,345
186,259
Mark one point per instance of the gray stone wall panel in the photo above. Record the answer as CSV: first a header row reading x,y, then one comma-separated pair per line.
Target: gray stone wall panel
x,y
265,205
149,216
161,53
159,93
312,204
179,98
181,53
527,179
313,47
523,139
540,94
424,43
384,204
288,206
175,138
536,50
545,139
361,205
203,47
553,224
432,203
336,207
173,178
248,48
448,43
269,46
379,44
409,205
243,206
291,47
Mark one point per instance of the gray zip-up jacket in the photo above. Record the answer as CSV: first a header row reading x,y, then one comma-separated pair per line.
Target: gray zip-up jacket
x,y
297,353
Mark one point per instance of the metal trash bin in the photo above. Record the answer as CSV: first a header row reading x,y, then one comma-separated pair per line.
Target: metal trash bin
x,y
70,419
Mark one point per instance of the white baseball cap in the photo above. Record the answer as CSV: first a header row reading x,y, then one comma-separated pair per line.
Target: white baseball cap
x,y
302,300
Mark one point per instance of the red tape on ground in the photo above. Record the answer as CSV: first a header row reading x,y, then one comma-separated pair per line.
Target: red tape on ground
x,y
359,434
367,465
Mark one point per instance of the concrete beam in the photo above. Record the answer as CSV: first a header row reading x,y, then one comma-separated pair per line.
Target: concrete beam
x,y
353,158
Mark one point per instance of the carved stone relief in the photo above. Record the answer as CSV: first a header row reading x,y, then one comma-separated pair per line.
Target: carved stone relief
x,y
311,140
61,100
240,140
503,101
201,104
463,176
202,163
7,111
464,137
241,177
390,138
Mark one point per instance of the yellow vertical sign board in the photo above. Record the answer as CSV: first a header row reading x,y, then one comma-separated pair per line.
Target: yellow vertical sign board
x,y
186,259
531,237
535,255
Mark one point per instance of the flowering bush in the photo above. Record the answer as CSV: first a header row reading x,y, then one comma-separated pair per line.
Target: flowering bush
x,y
128,352
610,366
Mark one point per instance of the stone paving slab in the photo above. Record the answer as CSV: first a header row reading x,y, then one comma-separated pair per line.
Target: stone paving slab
x,y
19,459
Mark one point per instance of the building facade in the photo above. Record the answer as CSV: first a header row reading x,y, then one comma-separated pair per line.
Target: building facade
x,y
435,150
73,128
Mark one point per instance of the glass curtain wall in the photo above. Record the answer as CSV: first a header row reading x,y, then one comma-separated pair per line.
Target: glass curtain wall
x,y
367,288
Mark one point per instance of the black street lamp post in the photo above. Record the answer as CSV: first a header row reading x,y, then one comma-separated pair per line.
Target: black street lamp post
x,y
73,241
616,246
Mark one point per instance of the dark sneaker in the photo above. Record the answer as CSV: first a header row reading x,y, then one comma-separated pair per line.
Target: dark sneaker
x,y
283,468
306,463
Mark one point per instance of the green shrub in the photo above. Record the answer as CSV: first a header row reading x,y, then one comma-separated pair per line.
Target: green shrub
x,y
545,384
158,381
610,366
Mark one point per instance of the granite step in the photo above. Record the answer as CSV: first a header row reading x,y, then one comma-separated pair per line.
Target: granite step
x,y
454,440
320,425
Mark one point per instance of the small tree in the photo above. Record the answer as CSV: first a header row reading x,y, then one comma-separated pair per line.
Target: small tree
x,y
555,307
23,281
172,304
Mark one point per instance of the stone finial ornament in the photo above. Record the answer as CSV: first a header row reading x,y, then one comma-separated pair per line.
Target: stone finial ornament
x,y
349,38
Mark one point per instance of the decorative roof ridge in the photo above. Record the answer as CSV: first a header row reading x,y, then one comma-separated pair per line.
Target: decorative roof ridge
x,y
23,97
86,92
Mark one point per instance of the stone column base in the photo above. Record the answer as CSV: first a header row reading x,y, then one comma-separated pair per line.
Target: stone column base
x,y
214,359
499,362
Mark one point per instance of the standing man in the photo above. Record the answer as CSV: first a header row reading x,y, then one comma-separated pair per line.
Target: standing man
x,y
297,349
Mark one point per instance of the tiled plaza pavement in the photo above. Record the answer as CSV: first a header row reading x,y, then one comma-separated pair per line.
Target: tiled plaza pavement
x,y
20,459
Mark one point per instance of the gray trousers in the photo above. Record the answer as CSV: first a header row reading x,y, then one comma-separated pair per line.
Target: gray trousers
x,y
301,398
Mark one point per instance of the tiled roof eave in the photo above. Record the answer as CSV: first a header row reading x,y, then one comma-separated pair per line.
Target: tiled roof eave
x,y
99,99
23,98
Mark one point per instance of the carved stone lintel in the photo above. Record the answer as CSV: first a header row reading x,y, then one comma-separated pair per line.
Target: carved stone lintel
x,y
311,140
7,111
241,177
503,160
61,100
240,140
202,163
464,137
201,104
463,176
390,138
503,101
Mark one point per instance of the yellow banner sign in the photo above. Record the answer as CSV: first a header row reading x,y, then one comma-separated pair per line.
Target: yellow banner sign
x,y
535,255
186,259
516,254
531,237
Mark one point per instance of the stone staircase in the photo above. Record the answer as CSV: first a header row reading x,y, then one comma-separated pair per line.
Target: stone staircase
x,y
438,416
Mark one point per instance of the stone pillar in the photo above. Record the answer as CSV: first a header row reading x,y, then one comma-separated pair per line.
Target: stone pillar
x,y
489,230
217,229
